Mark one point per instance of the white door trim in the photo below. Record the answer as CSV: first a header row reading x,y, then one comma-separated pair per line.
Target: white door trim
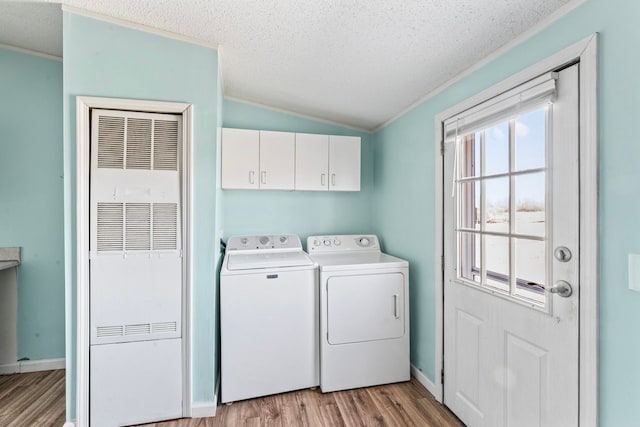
x,y
83,125
586,52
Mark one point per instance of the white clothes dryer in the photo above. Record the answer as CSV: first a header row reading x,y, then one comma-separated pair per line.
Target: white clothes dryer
x,y
364,312
268,317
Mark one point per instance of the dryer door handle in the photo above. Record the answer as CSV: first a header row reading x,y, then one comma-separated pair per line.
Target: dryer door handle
x,y
396,314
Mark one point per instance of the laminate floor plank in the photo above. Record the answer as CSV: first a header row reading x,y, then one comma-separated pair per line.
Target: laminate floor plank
x,y
38,399
32,399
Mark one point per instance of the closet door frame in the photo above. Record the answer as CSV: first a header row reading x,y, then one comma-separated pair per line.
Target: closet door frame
x,y
84,105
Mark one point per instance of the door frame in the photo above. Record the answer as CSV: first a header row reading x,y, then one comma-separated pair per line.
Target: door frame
x,y
84,104
584,52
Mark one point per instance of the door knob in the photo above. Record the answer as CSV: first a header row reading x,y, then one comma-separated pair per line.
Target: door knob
x,y
562,288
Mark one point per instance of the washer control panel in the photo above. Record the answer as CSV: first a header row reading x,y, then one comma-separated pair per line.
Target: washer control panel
x,y
278,241
350,242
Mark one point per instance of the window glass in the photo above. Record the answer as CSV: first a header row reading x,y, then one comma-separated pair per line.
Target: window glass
x,y
530,140
500,249
497,149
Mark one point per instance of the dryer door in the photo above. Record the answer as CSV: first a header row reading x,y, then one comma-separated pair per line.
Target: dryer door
x,y
365,307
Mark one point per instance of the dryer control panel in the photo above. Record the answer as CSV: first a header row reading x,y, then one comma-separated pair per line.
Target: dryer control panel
x,y
264,242
343,243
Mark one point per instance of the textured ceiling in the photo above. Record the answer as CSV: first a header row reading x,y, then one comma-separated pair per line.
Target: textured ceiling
x,y
357,62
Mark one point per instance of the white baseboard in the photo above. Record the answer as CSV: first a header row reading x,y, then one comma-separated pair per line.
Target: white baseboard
x,y
32,366
427,383
204,409
69,424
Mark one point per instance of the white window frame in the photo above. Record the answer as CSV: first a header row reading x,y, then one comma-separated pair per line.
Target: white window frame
x,y
84,105
585,52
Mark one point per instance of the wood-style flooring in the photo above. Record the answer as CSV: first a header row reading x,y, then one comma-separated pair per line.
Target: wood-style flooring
x,y
403,404
37,399
33,399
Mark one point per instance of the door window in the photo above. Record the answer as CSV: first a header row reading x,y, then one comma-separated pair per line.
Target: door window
x,y
502,207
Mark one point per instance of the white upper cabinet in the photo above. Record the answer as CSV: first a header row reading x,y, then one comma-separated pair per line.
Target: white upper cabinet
x,y
254,159
268,160
240,158
344,163
277,157
312,162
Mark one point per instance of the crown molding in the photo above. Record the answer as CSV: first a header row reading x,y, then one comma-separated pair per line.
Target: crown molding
x,y
140,27
293,113
31,52
564,10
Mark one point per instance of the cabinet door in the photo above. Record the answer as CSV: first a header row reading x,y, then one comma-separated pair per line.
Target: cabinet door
x,y
344,163
277,156
312,162
240,158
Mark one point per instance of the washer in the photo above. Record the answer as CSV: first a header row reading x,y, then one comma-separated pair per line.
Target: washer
x,y
364,312
268,317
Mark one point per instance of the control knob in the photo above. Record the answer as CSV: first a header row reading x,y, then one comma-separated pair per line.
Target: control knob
x,y
316,242
365,241
283,239
337,242
264,240
327,242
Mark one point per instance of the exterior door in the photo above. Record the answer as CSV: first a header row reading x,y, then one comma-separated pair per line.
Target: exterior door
x,y
511,255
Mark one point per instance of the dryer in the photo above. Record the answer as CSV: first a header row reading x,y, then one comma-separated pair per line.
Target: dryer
x,y
364,312
268,317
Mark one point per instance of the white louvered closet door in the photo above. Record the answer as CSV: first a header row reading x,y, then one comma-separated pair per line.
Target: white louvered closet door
x,y
135,266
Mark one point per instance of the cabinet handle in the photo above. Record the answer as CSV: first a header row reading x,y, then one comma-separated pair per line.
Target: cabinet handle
x,y
395,306
333,179
252,177
322,176
263,177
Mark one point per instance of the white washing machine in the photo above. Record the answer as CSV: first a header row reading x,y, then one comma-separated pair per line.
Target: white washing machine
x,y
364,312
268,317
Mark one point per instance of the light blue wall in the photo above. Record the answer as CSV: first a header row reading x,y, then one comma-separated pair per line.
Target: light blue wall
x,y
300,212
31,196
107,60
404,158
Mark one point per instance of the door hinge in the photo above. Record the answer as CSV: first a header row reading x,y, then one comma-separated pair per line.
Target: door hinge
x,y
442,376
442,148
442,262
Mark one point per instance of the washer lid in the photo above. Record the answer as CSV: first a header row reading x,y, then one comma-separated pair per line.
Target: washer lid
x,y
357,260
254,261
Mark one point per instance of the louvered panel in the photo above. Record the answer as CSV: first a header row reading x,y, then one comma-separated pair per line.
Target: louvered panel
x,y
138,226
109,331
165,145
109,233
163,327
110,142
142,328
138,143
165,226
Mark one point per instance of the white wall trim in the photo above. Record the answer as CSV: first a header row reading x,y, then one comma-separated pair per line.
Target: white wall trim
x,y
426,382
546,22
83,106
204,409
71,423
589,257
25,366
296,114
31,52
584,51
137,26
